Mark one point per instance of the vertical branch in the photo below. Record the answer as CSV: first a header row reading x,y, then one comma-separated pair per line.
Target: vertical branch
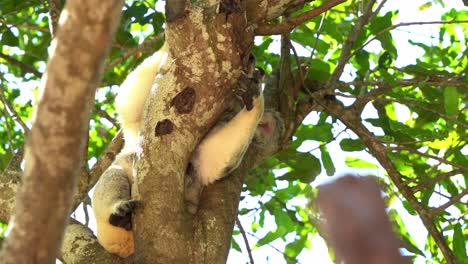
x,y
55,7
246,241
362,21
56,141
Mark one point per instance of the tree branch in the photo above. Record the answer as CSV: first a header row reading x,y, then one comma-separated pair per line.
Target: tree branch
x,y
442,160
23,66
259,11
446,205
146,45
56,141
11,111
435,180
403,25
352,120
31,27
291,23
81,246
345,51
55,8
246,241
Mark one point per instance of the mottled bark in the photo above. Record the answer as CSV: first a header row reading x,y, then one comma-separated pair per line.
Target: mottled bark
x,y
205,56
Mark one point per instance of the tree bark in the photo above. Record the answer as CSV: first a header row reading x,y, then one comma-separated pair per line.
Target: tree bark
x,y
206,53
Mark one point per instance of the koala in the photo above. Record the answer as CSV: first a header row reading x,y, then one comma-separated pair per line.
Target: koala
x,y
217,155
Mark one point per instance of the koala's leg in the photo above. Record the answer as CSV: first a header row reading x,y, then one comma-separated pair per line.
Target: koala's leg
x,y
222,149
113,207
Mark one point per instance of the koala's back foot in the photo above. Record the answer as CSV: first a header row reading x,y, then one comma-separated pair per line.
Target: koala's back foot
x,y
122,214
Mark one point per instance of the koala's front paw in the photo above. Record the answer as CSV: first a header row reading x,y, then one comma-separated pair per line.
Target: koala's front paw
x,y
122,214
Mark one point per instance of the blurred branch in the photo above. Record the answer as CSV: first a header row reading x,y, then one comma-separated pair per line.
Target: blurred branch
x,y
55,8
15,162
31,27
22,65
291,23
57,139
146,45
352,120
104,114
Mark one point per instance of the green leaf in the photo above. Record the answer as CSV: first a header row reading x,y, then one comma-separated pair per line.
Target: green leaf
x,y
294,248
459,244
235,246
362,59
451,100
8,38
359,163
385,60
406,241
327,161
319,70
158,21
271,236
348,144
305,168
322,132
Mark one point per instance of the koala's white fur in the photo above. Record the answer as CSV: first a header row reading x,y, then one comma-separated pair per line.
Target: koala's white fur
x,y
113,188
217,155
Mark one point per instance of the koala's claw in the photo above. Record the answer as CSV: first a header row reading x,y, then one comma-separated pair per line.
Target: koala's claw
x,y
122,215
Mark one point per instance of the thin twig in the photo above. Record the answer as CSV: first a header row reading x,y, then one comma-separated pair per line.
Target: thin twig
x,y
290,24
436,179
11,110
369,97
143,46
454,164
12,113
377,10
402,25
276,249
104,114
346,50
317,37
452,201
246,241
